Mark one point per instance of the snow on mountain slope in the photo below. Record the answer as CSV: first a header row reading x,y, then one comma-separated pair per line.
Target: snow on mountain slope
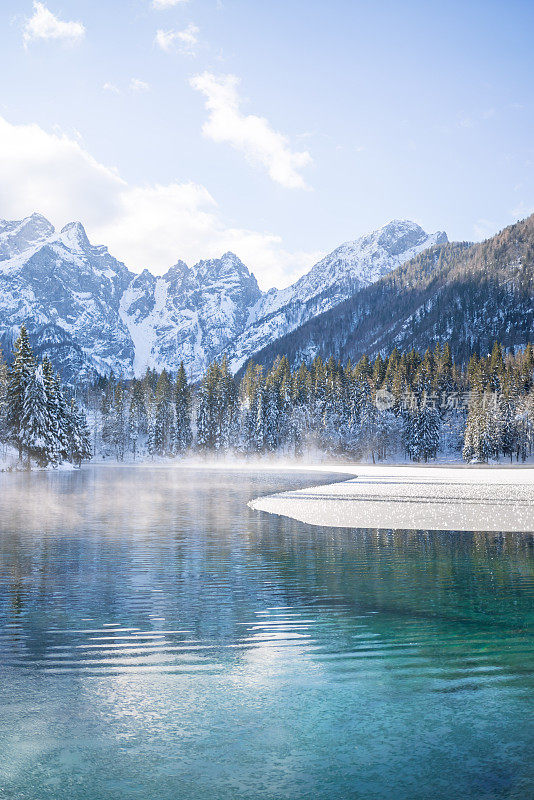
x,y
189,315
336,277
19,236
89,313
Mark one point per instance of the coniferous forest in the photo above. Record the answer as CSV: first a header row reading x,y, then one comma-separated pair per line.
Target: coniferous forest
x,y
407,406
36,417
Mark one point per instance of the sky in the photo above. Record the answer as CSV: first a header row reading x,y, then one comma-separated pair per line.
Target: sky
x,y
180,129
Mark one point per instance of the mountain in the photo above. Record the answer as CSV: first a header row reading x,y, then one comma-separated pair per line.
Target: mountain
x,y
91,315
336,277
20,236
190,314
470,295
68,292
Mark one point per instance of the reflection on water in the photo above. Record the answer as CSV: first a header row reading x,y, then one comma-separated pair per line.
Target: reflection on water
x,y
158,639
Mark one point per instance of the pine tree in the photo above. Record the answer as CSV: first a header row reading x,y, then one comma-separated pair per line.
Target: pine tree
x,y
20,375
137,416
183,435
3,398
34,424
228,407
118,424
63,420
80,445
56,438
163,415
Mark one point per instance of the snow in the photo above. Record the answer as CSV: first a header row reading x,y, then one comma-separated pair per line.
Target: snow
x,y
143,332
192,314
422,498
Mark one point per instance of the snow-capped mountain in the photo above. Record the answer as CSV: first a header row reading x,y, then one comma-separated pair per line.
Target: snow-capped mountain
x,y
190,314
68,292
21,235
336,277
90,314
468,295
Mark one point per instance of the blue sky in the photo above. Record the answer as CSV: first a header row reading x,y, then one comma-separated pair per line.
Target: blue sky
x,y
275,129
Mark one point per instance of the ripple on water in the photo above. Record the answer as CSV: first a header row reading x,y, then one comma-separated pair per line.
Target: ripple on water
x,y
204,645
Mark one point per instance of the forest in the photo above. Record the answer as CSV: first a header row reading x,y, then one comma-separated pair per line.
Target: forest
x,y
406,406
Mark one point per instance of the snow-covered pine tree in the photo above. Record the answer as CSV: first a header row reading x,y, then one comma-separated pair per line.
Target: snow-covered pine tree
x,y
63,419
80,444
428,421
477,445
137,417
208,428
3,398
163,415
183,434
118,427
228,407
20,374
106,405
368,429
34,424
57,439
258,434
507,414
272,411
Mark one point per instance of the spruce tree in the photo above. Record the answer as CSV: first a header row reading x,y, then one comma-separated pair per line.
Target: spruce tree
x,y
80,444
3,398
183,435
20,375
34,424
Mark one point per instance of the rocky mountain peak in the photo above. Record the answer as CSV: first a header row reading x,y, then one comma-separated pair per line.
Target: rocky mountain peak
x,y
17,236
74,237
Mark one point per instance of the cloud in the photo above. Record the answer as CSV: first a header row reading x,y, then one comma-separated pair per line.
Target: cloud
x,y
144,226
44,25
251,135
186,41
137,85
159,4
110,87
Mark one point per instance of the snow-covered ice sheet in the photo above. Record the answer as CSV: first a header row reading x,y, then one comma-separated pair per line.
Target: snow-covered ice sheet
x,y
424,498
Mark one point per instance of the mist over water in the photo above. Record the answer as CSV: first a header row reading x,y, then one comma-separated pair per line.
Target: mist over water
x,y
159,639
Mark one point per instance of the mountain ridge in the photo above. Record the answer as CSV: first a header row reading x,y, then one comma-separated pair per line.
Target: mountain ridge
x,y
91,315
470,295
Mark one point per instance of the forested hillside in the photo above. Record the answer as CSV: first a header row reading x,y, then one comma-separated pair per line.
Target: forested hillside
x,y
467,295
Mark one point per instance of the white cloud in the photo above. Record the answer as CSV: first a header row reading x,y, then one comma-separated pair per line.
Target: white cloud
x,y
145,226
167,3
44,25
250,134
186,41
110,87
137,85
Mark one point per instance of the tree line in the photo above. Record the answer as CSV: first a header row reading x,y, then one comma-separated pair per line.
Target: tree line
x,y
407,404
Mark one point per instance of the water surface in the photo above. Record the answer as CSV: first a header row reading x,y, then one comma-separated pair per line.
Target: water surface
x,y
159,639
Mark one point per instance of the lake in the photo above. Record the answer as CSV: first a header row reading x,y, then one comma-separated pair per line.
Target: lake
x,y
159,639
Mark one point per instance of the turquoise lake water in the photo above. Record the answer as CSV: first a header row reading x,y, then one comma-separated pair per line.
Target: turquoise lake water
x,y
159,639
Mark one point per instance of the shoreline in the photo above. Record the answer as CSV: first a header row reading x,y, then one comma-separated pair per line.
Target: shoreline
x,y
456,497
